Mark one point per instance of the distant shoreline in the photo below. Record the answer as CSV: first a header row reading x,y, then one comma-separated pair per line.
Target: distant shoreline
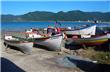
x,y
58,21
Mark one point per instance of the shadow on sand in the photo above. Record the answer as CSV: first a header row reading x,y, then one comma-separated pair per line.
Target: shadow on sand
x,y
8,66
42,47
85,65
91,67
73,47
13,47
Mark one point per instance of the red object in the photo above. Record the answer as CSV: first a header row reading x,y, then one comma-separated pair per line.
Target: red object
x,y
58,30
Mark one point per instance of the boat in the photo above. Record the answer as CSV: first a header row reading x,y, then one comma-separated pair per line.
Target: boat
x,y
89,41
23,45
53,43
88,30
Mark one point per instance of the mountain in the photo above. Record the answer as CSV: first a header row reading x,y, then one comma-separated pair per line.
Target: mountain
x,y
75,15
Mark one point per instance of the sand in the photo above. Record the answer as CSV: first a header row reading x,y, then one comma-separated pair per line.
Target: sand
x,y
39,61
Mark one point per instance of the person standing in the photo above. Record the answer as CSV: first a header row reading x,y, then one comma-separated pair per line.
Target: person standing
x,y
58,30
49,30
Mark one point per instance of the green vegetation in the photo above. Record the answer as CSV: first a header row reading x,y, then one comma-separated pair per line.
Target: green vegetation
x,y
100,56
61,16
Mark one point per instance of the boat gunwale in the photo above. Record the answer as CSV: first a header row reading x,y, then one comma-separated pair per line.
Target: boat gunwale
x,y
80,28
19,42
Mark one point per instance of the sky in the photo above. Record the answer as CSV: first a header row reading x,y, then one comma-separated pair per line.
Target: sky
x,y
55,0
22,7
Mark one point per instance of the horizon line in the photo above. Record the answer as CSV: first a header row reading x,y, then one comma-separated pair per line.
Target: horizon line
x,y
55,12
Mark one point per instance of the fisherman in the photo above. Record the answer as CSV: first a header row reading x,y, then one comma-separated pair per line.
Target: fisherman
x,y
50,31
53,30
58,30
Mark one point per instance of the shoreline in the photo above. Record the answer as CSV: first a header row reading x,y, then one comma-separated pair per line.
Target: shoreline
x,y
59,21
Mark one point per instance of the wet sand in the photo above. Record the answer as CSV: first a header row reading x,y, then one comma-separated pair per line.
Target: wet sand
x,y
39,61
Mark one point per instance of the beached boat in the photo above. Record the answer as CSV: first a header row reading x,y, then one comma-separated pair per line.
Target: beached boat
x,y
52,43
88,30
89,41
24,46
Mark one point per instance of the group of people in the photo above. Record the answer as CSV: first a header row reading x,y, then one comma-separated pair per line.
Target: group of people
x,y
53,30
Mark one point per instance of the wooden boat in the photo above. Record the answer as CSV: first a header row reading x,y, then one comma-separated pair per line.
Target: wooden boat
x,y
24,46
90,30
88,41
52,43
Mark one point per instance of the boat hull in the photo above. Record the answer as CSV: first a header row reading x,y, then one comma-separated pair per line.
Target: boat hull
x,y
85,31
53,43
89,41
25,47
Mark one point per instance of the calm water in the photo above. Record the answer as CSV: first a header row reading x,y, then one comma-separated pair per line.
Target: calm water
x,y
20,26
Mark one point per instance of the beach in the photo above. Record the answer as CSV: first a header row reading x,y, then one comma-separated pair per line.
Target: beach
x,y
42,60
39,61
55,36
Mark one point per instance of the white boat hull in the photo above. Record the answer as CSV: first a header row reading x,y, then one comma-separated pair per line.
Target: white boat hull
x,y
24,46
53,43
90,41
85,31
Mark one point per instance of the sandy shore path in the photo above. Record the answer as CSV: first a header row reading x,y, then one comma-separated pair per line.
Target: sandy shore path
x,y
39,61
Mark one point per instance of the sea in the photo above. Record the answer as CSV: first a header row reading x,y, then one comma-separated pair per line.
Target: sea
x,y
22,26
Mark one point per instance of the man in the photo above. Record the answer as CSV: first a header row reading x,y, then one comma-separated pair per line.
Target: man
x,y
50,30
